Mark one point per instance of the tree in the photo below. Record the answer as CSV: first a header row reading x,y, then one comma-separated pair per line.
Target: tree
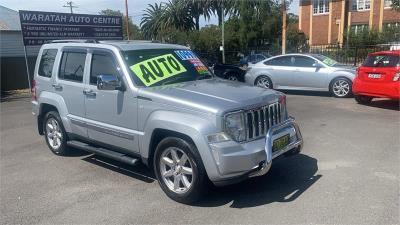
x,y
151,23
396,5
197,9
134,30
177,15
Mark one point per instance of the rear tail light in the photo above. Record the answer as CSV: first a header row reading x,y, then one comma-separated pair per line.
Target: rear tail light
x,y
33,90
396,77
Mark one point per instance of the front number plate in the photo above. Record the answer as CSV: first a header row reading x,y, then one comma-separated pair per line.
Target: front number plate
x,y
280,143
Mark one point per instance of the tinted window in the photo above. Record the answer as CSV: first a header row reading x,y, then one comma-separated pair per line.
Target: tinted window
x,y
302,61
102,64
279,61
157,67
47,62
382,61
72,66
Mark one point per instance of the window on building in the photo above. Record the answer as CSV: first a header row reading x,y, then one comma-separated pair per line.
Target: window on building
x,y
359,28
47,62
72,66
361,5
388,3
394,25
320,6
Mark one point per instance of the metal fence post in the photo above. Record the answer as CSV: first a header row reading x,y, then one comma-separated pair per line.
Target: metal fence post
x,y
356,56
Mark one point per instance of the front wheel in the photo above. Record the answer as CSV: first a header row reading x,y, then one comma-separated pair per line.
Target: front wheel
x,y
361,99
179,170
341,87
232,77
264,82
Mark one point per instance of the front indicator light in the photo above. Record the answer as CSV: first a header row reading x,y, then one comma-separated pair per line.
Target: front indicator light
x,y
218,137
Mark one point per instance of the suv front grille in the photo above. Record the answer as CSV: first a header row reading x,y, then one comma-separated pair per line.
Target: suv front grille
x,y
259,120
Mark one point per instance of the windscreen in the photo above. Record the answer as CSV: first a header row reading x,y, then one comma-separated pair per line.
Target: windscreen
x,y
382,61
156,67
328,61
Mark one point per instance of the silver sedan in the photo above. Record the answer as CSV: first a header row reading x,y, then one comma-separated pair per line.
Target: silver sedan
x,y
309,72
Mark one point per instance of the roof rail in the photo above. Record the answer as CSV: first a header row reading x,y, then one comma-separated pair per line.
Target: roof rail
x,y
74,41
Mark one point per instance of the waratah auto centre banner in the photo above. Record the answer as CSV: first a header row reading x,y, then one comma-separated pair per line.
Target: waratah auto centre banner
x,y
40,27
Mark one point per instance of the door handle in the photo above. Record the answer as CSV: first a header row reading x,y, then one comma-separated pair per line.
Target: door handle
x,y
89,92
57,87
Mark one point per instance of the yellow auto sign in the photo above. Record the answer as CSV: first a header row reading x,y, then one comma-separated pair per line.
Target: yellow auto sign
x,y
157,69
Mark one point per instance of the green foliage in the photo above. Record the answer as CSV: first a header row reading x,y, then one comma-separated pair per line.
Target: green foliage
x,y
396,5
134,30
372,37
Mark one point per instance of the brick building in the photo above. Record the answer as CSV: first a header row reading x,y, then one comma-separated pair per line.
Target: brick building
x,y
326,21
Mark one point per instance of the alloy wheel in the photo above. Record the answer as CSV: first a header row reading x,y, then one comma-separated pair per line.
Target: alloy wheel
x,y
232,78
341,88
176,170
53,133
263,82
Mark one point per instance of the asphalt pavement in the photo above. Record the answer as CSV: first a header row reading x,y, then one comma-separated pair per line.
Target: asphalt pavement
x,y
348,173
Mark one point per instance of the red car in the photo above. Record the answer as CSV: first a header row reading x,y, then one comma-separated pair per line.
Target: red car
x,y
378,77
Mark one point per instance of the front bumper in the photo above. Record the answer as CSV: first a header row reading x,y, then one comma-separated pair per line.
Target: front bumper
x,y
236,162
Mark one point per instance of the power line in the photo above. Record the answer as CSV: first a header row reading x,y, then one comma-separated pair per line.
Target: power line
x,y
70,6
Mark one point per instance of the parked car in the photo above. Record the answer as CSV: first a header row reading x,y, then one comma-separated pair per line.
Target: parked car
x,y
309,72
158,104
229,72
254,58
378,77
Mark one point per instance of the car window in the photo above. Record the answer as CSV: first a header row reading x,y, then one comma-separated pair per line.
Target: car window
x,y
279,61
382,61
102,64
303,61
47,62
260,58
72,66
158,67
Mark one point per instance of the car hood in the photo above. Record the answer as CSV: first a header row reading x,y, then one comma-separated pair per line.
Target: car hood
x,y
211,96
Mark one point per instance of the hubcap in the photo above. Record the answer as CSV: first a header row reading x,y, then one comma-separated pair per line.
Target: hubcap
x,y
53,133
232,78
263,82
176,170
341,88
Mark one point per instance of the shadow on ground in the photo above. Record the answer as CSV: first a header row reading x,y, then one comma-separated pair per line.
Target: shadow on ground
x,y
385,104
285,182
308,93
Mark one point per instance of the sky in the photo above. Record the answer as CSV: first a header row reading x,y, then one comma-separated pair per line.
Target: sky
x,y
135,7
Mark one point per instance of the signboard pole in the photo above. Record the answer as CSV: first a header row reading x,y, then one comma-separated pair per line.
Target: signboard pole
x,y
27,68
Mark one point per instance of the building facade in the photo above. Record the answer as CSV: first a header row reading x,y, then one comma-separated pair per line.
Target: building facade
x,y
326,21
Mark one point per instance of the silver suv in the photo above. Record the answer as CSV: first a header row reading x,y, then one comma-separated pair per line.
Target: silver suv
x,y
158,104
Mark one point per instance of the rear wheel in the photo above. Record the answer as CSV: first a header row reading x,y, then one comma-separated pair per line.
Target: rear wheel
x,y
341,87
232,77
55,135
179,170
362,99
264,82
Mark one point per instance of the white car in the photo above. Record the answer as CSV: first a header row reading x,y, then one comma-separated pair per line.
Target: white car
x,y
309,72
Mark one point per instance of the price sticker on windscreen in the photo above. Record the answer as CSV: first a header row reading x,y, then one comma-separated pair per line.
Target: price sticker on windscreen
x,y
156,69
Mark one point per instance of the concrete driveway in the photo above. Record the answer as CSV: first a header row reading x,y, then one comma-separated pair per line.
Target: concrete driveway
x,y
348,173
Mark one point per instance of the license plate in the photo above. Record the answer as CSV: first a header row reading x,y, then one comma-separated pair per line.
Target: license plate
x,y
374,76
280,143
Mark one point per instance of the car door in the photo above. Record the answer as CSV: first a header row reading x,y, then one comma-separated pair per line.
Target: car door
x,y
279,69
308,73
69,85
111,114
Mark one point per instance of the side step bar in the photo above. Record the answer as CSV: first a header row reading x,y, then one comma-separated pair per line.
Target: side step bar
x,y
104,152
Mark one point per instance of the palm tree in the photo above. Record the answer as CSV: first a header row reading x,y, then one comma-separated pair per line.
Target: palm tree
x,y
199,8
152,21
178,15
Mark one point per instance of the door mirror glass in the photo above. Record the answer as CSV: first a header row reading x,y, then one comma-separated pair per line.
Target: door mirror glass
x,y
109,82
317,65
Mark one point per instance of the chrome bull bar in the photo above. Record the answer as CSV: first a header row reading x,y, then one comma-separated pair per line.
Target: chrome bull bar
x,y
298,143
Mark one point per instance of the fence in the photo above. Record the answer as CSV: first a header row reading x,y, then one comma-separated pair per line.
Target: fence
x,y
353,55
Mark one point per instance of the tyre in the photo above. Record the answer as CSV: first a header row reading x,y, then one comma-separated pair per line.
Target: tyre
x,y
180,170
361,99
264,82
232,77
341,87
55,135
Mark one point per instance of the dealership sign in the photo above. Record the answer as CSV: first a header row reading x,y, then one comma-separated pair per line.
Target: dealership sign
x,y
39,27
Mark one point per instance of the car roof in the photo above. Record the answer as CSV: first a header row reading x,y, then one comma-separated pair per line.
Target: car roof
x,y
122,45
392,52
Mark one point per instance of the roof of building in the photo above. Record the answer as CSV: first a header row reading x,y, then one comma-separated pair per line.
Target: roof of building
x,y
9,19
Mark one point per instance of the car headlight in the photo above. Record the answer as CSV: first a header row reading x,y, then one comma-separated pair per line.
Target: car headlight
x,y
235,126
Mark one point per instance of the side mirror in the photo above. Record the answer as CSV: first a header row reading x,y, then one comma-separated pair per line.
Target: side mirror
x,y
317,65
109,82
